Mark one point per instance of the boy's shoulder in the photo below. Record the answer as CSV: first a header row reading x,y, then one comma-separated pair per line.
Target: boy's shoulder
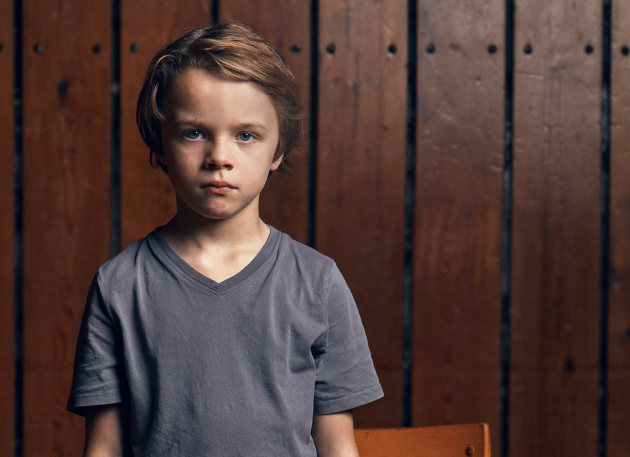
x,y
303,255
301,264
120,268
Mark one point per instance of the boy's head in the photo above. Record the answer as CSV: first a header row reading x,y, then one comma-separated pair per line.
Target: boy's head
x,y
231,50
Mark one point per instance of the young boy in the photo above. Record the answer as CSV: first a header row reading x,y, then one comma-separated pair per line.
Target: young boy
x,y
218,335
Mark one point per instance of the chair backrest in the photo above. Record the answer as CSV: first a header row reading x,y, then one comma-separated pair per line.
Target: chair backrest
x,y
466,440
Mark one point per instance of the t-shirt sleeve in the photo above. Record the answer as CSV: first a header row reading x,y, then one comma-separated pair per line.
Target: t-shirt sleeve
x,y
345,377
97,361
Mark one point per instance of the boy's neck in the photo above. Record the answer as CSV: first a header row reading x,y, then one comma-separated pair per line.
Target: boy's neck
x,y
189,230
217,248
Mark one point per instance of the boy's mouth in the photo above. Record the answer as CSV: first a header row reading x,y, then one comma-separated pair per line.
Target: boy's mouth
x,y
219,187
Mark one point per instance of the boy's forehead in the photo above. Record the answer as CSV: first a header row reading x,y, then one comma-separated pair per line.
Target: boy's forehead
x,y
201,88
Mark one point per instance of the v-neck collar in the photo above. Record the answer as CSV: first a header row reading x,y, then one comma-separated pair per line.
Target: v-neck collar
x,y
166,252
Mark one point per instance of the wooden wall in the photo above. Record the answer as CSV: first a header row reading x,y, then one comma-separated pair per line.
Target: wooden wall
x,y
556,228
492,257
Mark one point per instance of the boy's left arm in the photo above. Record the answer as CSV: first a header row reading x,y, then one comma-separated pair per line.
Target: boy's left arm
x,y
333,435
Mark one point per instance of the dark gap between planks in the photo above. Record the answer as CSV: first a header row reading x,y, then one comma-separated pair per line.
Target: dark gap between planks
x,y
116,116
506,232
214,11
312,120
18,196
602,396
409,202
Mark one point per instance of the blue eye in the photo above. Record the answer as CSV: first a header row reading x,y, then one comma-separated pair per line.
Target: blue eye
x,y
245,137
192,134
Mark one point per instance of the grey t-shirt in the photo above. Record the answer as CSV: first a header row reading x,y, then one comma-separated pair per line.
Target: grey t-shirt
x,y
236,368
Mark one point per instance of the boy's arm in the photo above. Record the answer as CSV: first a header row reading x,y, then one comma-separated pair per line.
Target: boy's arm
x,y
333,435
104,431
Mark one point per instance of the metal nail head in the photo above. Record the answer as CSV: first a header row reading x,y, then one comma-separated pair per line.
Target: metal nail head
x,y
569,366
62,87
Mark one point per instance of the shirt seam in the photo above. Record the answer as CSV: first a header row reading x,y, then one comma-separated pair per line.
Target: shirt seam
x,y
365,391
205,288
324,305
192,281
246,281
101,394
108,307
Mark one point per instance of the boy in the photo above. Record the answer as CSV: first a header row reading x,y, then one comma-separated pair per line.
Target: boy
x,y
217,335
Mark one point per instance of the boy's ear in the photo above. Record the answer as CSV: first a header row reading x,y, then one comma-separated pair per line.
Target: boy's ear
x,y
276,163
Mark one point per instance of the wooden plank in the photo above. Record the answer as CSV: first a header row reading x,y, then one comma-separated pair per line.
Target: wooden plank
x,y
7,228
67,204
286,24
360,174
147,198
442,441
457,231
556,229
618,439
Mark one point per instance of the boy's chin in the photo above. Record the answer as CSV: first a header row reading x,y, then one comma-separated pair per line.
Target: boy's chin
x,y
216,211
216,215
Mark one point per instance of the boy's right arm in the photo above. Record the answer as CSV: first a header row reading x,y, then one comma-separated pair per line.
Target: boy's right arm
x,y
104,435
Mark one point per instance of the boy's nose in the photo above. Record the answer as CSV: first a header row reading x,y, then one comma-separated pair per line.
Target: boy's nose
x,y
218,155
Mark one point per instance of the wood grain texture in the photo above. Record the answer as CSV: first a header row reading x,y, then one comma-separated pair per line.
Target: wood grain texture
x,y
147,198
556,229
286,25
442,441
618,441
67,204
457,231
7,230
360,175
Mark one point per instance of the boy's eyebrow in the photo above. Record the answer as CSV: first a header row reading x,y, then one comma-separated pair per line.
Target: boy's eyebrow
x,y
249,126
244,126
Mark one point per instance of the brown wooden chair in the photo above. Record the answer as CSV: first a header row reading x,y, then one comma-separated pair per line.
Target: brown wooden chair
x,y
466,440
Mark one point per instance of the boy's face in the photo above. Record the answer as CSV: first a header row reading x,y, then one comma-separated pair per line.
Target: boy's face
x,y
219,139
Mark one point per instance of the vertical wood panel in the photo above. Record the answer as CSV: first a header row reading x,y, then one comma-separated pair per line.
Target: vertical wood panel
x,y
147,198
286,24
457,232
360,174
556,229
67,180
7,223
619,310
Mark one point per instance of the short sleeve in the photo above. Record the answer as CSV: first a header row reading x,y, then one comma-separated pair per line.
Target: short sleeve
x,y
345,376
97,361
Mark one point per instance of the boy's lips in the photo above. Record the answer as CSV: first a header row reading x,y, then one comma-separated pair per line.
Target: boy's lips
x,y
219,184
219,187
